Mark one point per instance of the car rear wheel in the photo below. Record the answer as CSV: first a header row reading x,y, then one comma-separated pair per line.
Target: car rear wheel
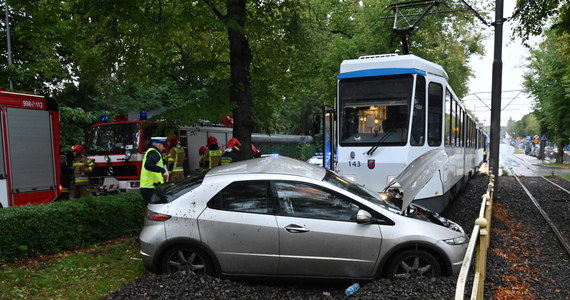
x,y
413,263
186,259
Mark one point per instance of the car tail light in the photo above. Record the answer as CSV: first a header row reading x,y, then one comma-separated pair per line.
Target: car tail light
x,y
154,216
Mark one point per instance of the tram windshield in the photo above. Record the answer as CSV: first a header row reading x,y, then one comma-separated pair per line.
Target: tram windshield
x,y
375,110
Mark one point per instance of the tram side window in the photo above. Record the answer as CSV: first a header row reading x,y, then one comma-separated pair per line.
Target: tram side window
x,y
460,123
435,98
448,119
418,131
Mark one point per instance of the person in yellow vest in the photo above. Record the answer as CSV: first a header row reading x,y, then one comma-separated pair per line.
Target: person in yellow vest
x,y
175,159
82,167
153,171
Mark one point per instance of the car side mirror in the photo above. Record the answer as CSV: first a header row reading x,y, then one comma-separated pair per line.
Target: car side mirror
x,y
363,217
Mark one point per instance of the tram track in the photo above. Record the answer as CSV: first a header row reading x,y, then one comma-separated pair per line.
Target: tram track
x,y
557,202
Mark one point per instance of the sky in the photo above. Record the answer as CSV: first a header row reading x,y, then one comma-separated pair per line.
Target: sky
x,y
514,103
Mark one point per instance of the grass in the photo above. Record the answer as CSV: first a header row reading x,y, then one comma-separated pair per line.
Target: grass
x,y
565,166
90,273
567,176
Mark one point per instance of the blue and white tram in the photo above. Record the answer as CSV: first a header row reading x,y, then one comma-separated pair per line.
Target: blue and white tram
x,y
391,110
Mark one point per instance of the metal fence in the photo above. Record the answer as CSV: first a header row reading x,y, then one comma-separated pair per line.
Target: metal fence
x,y
478,245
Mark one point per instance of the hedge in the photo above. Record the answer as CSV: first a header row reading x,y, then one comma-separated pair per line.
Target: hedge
x,y
26,231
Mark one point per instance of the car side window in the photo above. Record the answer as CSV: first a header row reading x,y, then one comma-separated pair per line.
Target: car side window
x,y
298,199
243,196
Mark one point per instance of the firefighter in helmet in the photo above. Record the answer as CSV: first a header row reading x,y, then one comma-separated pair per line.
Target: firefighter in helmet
x,y
82,167
231,154
175,160
212,155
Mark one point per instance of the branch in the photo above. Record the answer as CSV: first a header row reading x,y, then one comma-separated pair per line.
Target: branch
x,y
215,10
341,32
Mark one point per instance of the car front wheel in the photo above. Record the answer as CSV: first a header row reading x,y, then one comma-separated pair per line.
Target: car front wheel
x,y
186,259
413,263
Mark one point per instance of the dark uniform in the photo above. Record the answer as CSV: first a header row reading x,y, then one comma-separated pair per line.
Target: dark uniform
x,y
175,159
82,167
153,171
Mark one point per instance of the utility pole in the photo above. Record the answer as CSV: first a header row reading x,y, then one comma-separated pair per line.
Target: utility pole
x,y
496,92
9,44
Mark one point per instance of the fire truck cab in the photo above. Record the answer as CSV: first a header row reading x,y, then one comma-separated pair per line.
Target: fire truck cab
x,y
117,148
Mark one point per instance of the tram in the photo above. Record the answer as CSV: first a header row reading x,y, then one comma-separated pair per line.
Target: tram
x,y
392,110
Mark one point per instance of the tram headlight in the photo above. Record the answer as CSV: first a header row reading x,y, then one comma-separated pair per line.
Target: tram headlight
x,y
350,177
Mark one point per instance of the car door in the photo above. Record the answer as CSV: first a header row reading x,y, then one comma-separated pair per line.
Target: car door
x,y
318,233
239,226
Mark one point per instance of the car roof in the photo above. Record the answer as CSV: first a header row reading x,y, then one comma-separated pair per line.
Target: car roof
x,y
271,165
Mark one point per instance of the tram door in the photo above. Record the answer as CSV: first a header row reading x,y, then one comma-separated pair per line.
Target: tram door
x,y
329,149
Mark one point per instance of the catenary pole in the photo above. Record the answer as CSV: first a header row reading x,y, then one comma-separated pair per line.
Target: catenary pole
x,y
496,92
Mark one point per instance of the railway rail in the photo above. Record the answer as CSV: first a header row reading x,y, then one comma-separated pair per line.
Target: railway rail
x,y
552,205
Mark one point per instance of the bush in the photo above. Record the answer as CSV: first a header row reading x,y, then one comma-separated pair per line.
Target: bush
x,y
49,228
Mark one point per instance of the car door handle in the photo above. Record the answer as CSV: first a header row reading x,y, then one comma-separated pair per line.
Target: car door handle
x,y
296,228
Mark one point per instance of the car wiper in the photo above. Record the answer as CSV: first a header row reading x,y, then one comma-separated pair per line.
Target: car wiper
x,y
388,133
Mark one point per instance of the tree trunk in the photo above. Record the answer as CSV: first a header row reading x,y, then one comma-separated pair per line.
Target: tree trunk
x,y
240,80
560,156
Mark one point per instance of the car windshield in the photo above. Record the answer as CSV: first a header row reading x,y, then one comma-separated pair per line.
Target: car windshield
x,y
359,190
170,191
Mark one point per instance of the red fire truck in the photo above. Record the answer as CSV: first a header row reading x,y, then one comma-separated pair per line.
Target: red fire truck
x,y
29,149
117,148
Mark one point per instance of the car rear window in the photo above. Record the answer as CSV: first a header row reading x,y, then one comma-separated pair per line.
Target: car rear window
x,y
171,191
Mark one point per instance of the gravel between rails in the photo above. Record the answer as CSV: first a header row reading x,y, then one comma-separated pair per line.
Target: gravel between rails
x,y
525,260
522,263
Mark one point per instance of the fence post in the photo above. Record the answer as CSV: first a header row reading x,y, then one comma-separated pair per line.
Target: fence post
x,y
481,265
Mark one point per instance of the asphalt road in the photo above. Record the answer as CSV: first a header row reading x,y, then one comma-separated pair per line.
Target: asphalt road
x,y
525,165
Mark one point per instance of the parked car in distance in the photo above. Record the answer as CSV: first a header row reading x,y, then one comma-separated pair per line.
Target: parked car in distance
x,y
280,217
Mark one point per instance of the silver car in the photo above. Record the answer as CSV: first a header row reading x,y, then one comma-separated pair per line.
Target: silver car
x,y
281,217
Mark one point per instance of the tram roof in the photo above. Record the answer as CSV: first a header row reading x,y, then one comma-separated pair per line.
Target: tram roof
x,y
389,64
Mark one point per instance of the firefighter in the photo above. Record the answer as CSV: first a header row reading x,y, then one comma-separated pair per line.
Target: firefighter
x,y
153,171
82,167
213,155
231,154
175,160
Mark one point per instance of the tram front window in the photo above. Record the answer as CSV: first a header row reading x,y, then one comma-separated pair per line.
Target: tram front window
x,y
375,110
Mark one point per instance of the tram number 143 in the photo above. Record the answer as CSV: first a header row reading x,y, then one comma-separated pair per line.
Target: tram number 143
x,y
354,163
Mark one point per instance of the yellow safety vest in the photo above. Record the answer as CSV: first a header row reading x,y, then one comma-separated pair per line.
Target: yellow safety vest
x,y
214,158
149,178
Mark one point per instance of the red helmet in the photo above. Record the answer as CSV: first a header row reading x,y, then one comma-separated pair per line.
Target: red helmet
x,y
256,152
173,140
233,142
212,141
77,149
202,150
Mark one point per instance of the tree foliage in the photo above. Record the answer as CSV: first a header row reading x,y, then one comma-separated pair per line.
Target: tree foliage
x,y
534,16
113,57
548,80
527,126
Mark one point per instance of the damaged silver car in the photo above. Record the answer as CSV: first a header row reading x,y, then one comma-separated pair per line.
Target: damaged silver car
x,y
280,217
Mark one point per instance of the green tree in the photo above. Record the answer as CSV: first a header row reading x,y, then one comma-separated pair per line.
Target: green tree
x,y
548,80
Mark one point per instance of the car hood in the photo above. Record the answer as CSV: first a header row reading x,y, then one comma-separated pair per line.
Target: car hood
x,y
417,174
